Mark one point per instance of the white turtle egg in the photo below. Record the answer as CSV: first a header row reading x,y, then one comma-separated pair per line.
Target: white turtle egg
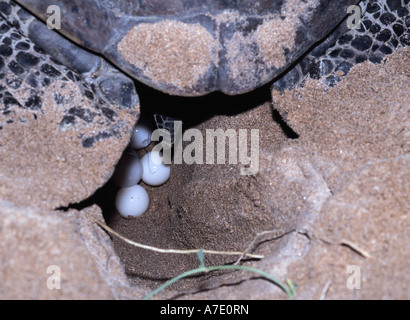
x,y
128,171
154,171
141,136
132,201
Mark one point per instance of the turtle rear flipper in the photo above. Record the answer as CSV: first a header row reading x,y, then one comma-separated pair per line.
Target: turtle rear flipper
x,y
114,86
92,105
383,27
60,137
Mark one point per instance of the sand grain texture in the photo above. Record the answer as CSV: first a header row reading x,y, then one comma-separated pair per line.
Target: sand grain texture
x,y
345,178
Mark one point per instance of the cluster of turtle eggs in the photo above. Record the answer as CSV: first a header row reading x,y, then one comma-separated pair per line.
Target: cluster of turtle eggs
x,y
132,199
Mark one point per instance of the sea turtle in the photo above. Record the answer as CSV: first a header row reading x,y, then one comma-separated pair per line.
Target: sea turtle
x,y
191,48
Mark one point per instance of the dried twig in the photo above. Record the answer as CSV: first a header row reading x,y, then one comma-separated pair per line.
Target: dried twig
x,y
355,248
325,290
258,235
177,251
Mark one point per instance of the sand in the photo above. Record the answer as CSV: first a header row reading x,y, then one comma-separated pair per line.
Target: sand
x,y
342,185
336,196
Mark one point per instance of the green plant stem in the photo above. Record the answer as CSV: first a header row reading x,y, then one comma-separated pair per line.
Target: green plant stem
x,y
289,291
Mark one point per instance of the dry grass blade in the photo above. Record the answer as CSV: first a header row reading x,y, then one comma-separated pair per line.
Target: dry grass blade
x,y
356,248
177,251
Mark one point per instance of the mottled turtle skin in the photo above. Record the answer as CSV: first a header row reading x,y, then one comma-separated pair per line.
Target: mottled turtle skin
x,y
191,48
384,27
85,95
